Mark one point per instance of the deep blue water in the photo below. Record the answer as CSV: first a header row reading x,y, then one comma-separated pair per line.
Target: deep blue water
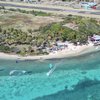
x,y
76,78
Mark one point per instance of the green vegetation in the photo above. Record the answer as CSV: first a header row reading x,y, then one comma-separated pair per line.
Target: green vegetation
x,y
86,27
35,42
17,32
33,12
12,39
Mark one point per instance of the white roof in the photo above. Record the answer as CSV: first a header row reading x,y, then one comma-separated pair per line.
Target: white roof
x,y
62,43
96,37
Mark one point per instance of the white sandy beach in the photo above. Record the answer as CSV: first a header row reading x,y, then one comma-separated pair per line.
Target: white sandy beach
x,y
68,52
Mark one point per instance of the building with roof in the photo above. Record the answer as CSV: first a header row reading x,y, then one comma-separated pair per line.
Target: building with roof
x,y
97,1
95,38
62,45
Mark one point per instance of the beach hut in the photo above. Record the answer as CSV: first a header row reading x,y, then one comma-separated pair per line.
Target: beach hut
x,y
95,38
62,45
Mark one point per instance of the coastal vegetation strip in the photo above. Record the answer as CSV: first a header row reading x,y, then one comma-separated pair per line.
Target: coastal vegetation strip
x,y
36,41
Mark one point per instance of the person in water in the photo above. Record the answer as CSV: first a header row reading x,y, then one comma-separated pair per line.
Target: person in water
x,y
50,66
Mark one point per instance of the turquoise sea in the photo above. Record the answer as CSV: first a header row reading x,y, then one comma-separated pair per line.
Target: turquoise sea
x,y
76,78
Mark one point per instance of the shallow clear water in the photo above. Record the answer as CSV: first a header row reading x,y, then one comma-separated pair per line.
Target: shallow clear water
x,y
75,78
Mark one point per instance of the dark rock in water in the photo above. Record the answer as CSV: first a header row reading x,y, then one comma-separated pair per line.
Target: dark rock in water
x,y
86,83
2,69
17,61
54,85
83,72
89,91
29,72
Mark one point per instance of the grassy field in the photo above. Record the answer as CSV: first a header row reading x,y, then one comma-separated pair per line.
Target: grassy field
x,y
24,21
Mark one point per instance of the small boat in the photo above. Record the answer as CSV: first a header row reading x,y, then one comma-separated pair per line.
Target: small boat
x,y
51,71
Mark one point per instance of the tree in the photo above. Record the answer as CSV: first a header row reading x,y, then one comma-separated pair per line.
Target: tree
x,y
0,29
30,31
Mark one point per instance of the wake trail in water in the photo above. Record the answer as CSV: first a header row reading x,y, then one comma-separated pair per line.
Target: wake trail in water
x,y
53,69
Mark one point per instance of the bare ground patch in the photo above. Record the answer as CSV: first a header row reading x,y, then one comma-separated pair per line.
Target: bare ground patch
x,y
25,21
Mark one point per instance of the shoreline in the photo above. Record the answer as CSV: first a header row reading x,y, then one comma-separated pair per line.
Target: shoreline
x,y
66,53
